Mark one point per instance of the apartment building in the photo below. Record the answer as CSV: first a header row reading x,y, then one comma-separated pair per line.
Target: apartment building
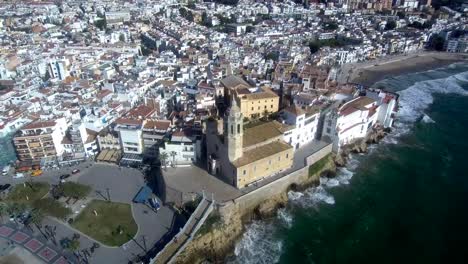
x,y
40,139
130,135
154,132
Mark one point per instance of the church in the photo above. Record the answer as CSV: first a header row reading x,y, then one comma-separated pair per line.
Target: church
x,y
243,156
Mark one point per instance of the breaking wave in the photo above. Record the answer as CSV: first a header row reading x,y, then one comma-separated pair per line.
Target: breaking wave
x,y
258,245
285,217
414,100
427,119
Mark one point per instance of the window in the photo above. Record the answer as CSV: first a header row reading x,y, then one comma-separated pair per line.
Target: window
x,y
287,155
269,162
265,107
279,158
232,129
271,106
259,108
252,108
328,130
245,172
216,146
238,128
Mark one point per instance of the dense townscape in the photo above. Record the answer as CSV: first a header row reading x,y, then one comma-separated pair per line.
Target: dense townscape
x,y
245,91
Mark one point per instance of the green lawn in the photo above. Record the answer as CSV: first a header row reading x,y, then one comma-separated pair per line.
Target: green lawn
x,y
113,226
28,192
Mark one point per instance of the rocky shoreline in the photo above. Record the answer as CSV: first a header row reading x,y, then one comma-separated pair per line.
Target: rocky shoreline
x,y
215,242
360,146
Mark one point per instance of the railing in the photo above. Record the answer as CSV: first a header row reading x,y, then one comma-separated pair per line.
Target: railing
x,y
186,234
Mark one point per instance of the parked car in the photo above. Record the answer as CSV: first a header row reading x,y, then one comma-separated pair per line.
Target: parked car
x,y
18,175
75,171
36,173
4,187
64,176
5,170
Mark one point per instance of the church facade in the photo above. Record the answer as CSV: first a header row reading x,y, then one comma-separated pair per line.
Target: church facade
x,y
243,156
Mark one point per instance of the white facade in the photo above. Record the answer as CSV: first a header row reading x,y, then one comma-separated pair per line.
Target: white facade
x,y
181,149
352,121
304,126
58,69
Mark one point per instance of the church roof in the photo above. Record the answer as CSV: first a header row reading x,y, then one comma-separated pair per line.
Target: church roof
x,y
262,132
261,152
234,82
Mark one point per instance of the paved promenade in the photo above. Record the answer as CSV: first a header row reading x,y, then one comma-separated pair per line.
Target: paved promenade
x,y
44,250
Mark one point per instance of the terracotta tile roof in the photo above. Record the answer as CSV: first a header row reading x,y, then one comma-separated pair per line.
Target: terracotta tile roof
x,y
295,110
261,133
141,111
355,105
40,124
157,124
261,152
128,121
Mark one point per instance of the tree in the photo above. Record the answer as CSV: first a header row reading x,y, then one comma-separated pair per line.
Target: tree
x,y
75,190
163,157
36,217
314,47
74,245
173,154
330,26
3,210
391,25
49,206
101,24
437,43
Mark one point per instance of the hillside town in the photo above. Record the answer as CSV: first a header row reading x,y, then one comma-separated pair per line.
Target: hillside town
x,y
240,91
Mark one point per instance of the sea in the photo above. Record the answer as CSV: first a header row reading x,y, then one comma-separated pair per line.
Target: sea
x,y
406,201
7,151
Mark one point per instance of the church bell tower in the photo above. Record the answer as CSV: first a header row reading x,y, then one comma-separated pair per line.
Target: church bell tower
x,y
234,132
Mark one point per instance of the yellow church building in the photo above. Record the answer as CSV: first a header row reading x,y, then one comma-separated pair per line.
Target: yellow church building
x,y
241,157
253,101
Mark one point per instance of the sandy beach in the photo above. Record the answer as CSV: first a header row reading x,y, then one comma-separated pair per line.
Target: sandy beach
x,y
368,73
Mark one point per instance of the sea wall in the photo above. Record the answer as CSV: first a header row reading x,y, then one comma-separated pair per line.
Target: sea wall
x,y
226,224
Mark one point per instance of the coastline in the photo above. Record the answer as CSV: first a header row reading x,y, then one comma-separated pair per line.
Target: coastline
x,y
370,72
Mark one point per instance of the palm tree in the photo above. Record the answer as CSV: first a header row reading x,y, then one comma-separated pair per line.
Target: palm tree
x,y
163,157
36,218
173,154
3,210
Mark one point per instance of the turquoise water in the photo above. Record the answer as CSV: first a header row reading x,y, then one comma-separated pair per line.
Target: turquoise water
x,y
7,151
404,202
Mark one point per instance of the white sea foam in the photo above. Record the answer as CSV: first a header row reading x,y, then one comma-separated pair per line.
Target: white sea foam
x,y
258,245
329,182
414,100
312,197
344,175
285,217
427,119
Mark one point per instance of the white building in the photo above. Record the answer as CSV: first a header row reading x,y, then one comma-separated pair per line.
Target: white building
x,y
182,149
58,69
130,135
351,121
303,125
